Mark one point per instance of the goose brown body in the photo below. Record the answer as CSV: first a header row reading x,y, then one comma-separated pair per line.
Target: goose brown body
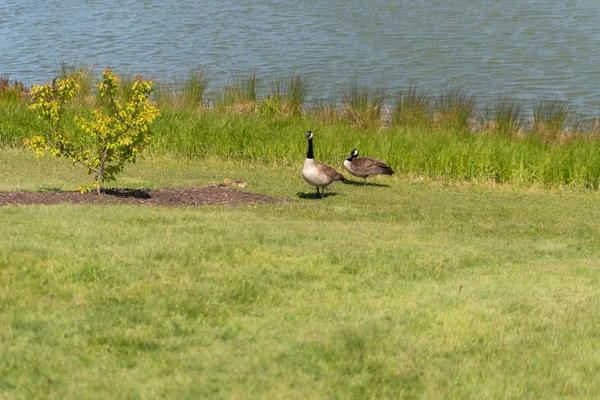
x,y
318,174
363,167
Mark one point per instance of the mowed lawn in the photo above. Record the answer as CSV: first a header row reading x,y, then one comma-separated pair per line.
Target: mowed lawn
x,y
400,289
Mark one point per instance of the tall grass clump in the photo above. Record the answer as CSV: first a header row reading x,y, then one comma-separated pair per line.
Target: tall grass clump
x,y
166,94
11,92
583,125
504,117
287,95
325,110
241,93
593,126
552,118
16,123
125,85
83,75
413,107
362,104
193,87
453,109
188,91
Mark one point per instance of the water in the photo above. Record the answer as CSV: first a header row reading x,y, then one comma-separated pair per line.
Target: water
x,y
522,49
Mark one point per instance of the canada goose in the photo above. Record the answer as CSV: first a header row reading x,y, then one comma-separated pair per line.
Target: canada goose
x,y
364,167
318,174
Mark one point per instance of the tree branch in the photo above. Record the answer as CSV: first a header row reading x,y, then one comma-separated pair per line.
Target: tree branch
x,y
71,156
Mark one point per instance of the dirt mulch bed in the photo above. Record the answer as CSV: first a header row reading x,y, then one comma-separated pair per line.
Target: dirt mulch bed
x,y
170,197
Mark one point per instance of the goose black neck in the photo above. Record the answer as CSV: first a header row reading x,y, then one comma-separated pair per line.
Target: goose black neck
x,y
310,154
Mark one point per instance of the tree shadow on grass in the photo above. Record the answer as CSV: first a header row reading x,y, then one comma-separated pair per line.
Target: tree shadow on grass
x,y
124,193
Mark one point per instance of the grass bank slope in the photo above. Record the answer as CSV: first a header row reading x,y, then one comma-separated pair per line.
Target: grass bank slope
x,y
448,153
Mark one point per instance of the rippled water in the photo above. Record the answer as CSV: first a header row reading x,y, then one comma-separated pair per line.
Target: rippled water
x,y
522,49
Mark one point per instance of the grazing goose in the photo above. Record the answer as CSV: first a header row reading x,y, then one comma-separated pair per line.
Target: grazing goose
x,y
364,167
318,174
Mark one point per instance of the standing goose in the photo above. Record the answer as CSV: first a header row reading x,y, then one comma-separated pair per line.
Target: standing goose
x,y
318,174
364,167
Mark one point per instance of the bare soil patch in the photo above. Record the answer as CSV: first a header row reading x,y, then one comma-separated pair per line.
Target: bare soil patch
x,y
169,197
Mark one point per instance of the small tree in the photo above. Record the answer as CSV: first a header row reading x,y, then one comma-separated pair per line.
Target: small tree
x,y
118,127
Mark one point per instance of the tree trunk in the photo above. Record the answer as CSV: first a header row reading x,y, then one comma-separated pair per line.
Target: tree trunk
x,y
101,169
99,182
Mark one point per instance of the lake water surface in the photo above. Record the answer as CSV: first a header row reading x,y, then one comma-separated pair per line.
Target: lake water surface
x,y
523,49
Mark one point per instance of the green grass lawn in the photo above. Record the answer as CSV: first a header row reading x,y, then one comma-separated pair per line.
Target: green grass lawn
x,y
403,289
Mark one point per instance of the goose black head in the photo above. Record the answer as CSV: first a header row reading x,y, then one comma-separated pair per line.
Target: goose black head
x,y
308,135
353,155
